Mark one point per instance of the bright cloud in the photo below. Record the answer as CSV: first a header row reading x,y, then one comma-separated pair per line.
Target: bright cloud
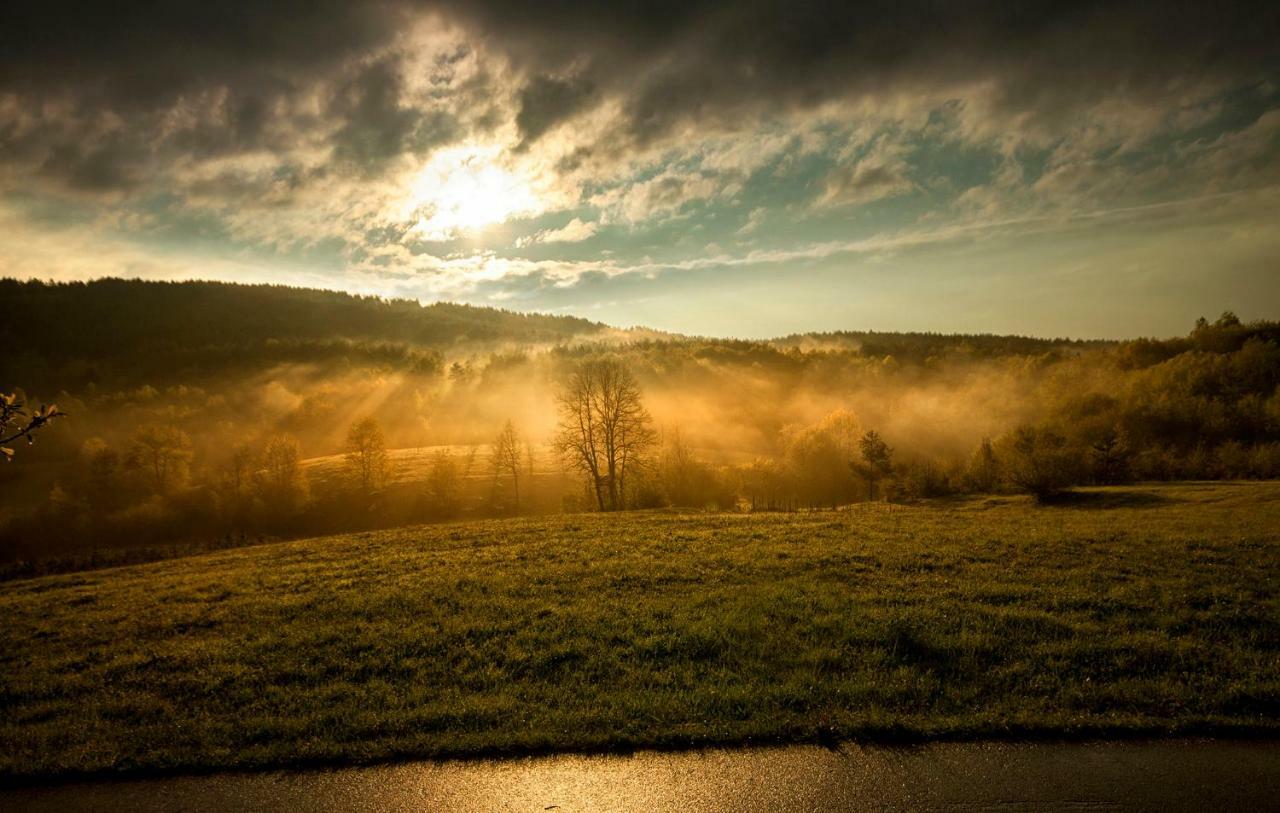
x,y
464,189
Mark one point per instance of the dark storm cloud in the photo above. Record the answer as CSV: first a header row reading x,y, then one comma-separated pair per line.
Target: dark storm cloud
x,y
377,127
665,65
142,54
111,166
96,85
546,101
675,55
675,62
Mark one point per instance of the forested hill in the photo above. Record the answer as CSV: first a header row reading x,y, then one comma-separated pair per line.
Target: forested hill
x,y
920,346
121,327
112,315
115,334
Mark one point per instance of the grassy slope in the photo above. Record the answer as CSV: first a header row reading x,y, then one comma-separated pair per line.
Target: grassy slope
x,y
1147,610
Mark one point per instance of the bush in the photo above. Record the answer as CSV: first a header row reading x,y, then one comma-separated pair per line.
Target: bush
x,y
921,479
1039,462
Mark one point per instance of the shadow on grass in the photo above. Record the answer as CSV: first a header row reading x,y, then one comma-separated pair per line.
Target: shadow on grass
x,y
1101,500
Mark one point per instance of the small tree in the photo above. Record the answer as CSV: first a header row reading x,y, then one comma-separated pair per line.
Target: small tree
x,y
684,480
444,481
819,455
877,460
677,470
506,459
366,456
1109,458
983,474
280,481
161,455
102,475
233,482
1039,462
17,424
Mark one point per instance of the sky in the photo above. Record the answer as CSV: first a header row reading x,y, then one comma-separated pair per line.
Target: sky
x,y
751,169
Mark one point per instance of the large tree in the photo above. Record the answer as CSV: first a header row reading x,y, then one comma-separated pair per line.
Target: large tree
x,y
604,432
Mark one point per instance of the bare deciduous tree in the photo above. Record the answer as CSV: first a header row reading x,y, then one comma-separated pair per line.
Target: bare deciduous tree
x,y
506,459
444,484
280,480
366,456
162,454
604,429
233,482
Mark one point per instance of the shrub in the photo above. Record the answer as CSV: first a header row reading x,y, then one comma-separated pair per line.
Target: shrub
x,y
1039,462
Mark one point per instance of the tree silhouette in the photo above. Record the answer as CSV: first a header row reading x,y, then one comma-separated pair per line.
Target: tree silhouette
x,y
366,456
280,481
443,486
506,458
162,454
1040,462
604,429
877,460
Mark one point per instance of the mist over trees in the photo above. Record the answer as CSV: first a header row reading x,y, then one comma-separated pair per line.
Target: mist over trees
x,y
257,441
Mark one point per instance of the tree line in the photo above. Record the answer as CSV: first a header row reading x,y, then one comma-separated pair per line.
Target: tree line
x,y
1206,405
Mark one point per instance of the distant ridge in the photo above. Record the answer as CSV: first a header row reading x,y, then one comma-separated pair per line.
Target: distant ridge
x,y
923,344
122,332
76,333
110,315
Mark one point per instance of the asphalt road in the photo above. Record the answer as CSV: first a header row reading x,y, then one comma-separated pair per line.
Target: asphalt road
x,y
1191,775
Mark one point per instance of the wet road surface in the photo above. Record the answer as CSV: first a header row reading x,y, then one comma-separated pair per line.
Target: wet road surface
x,y
1191,775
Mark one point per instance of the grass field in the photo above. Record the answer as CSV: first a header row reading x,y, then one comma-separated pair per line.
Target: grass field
x,y
1139,610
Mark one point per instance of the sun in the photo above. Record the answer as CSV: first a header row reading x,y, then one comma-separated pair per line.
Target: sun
x,y
463,190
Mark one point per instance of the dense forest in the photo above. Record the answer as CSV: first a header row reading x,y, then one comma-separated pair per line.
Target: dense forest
x,y
207,414
114,332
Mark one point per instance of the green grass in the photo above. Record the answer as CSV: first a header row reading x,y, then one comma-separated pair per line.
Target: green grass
x,y
1125,611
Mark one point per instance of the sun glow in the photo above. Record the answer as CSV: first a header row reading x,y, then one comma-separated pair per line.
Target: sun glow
x,y
463,190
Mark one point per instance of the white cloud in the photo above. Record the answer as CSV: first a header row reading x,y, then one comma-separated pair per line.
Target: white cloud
x,y
754,219
880,173
575,231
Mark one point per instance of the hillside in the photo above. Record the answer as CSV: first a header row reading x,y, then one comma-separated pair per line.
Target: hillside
x,y
1130,611
113,332
117,333
921,346
191,408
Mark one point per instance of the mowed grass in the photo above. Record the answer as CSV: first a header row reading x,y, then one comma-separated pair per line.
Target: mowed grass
x,y
1139,610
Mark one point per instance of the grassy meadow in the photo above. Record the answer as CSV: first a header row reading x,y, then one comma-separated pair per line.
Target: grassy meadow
x,y
1120,611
